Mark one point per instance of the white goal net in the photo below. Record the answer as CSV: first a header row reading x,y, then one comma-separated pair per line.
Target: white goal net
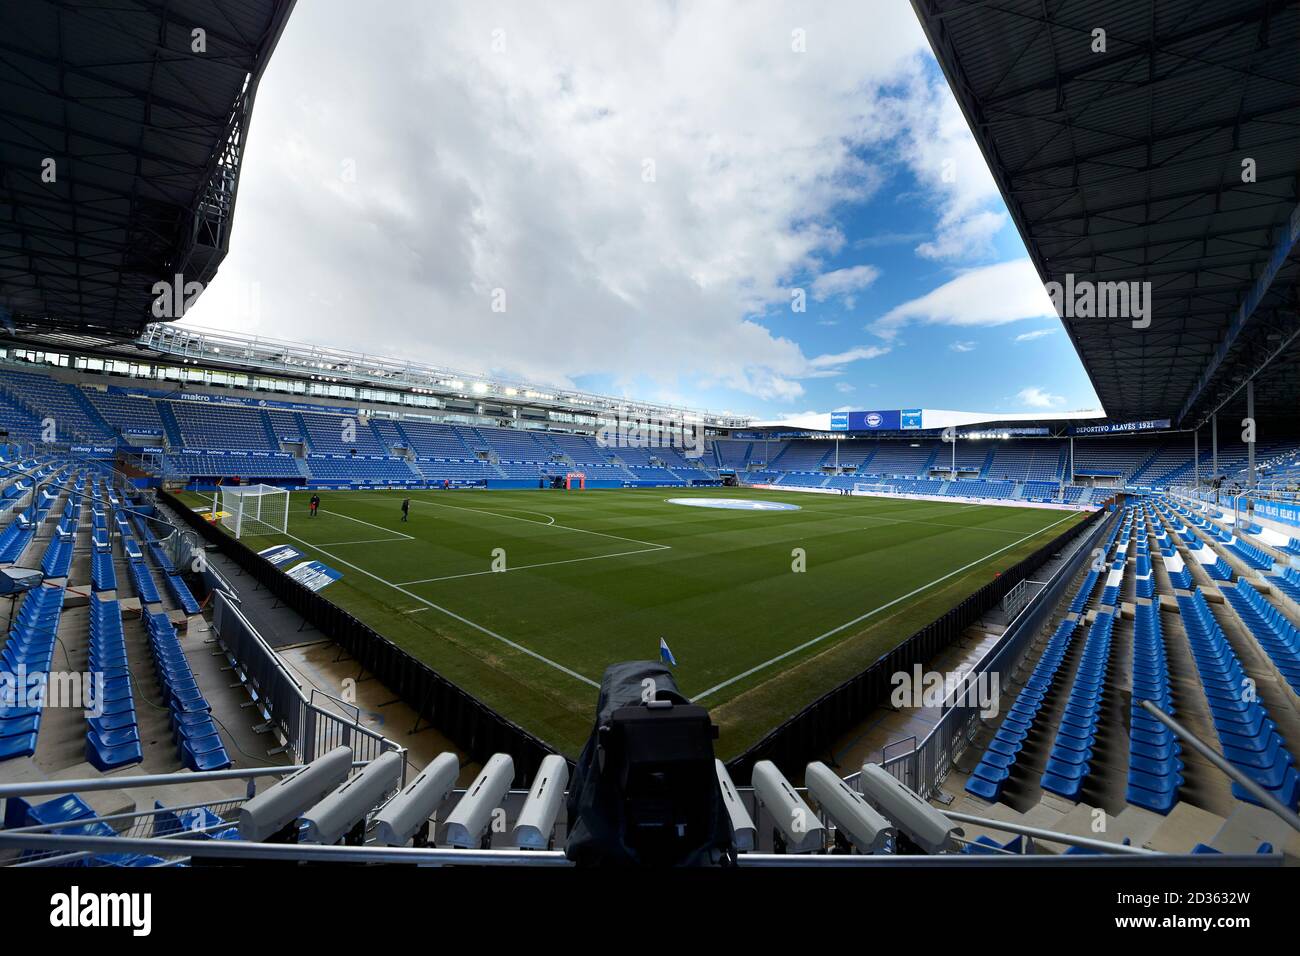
x,y
873,488
254,509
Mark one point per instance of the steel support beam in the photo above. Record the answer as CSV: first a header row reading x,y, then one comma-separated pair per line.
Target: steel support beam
x,y
1250,445
1196,458
1214,445
1281,249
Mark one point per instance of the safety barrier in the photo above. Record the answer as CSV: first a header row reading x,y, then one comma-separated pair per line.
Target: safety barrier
x,y
925,765
469,723
307,728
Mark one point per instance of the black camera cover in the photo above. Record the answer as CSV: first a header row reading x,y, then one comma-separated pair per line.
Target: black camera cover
x,y
645,792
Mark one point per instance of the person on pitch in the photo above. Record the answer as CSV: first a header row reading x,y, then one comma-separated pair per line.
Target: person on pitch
x,y
406,508
313,505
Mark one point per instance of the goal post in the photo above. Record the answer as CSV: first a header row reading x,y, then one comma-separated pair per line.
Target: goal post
x,y
254,509
874,488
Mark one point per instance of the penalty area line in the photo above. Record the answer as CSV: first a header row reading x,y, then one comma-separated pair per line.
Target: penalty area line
x,y
452,614
874,611
335,544
550,524
377,527
540,564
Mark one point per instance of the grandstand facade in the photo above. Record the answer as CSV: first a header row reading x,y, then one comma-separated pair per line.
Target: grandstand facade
x,y
294,432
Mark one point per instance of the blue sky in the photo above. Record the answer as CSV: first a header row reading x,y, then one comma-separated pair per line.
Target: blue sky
x,y
1021,365
623,197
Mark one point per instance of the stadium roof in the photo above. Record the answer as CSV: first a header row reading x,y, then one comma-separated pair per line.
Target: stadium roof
x,y
200,348
120,147
1127,166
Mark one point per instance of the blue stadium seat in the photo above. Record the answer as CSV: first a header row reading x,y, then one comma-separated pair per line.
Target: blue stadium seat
x,y
112,739
30,650
1248,739
994,768
199,745
1067,765
1275,633
1154,767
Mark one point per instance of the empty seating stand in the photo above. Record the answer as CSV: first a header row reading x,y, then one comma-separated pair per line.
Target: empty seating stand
x,y
988,777
113,737
1247,737
1144,585
1080,600
1154,766
1288,582
28,650
1274,632
72,816
1179,576
987,846
1211,561
175,584
1249,554
1067,765
145,588
15,538
181,593
1110,594
198,744
58,554
197,823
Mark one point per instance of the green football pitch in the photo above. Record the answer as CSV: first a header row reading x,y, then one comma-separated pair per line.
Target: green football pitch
x,y
524,597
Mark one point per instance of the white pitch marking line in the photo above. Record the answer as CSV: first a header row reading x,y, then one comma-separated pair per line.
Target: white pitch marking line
x,y
932,524
543,564
452,614
335,544
498,514
862,617
550,520
377,527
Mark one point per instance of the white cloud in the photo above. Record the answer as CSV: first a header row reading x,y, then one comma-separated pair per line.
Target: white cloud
x,y
943,155
522,170
843,282
1036,334
988,295
963,346
1036,397
844,388
960,236
852,355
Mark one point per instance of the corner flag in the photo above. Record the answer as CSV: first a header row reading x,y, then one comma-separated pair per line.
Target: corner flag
x,y
665,654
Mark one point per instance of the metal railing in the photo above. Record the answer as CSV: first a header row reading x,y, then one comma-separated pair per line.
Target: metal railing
x,y
437,856
926,765
159,826
165,836
307,728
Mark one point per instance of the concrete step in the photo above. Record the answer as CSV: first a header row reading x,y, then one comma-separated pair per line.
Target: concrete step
x,y
1248,826
1184,827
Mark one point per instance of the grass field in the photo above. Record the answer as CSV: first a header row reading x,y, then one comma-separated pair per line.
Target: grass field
x,y
599,576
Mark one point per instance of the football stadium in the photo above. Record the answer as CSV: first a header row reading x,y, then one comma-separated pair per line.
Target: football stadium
x,y
292,591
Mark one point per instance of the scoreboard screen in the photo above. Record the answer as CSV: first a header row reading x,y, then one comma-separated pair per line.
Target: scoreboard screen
x,y
882,420
875,421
